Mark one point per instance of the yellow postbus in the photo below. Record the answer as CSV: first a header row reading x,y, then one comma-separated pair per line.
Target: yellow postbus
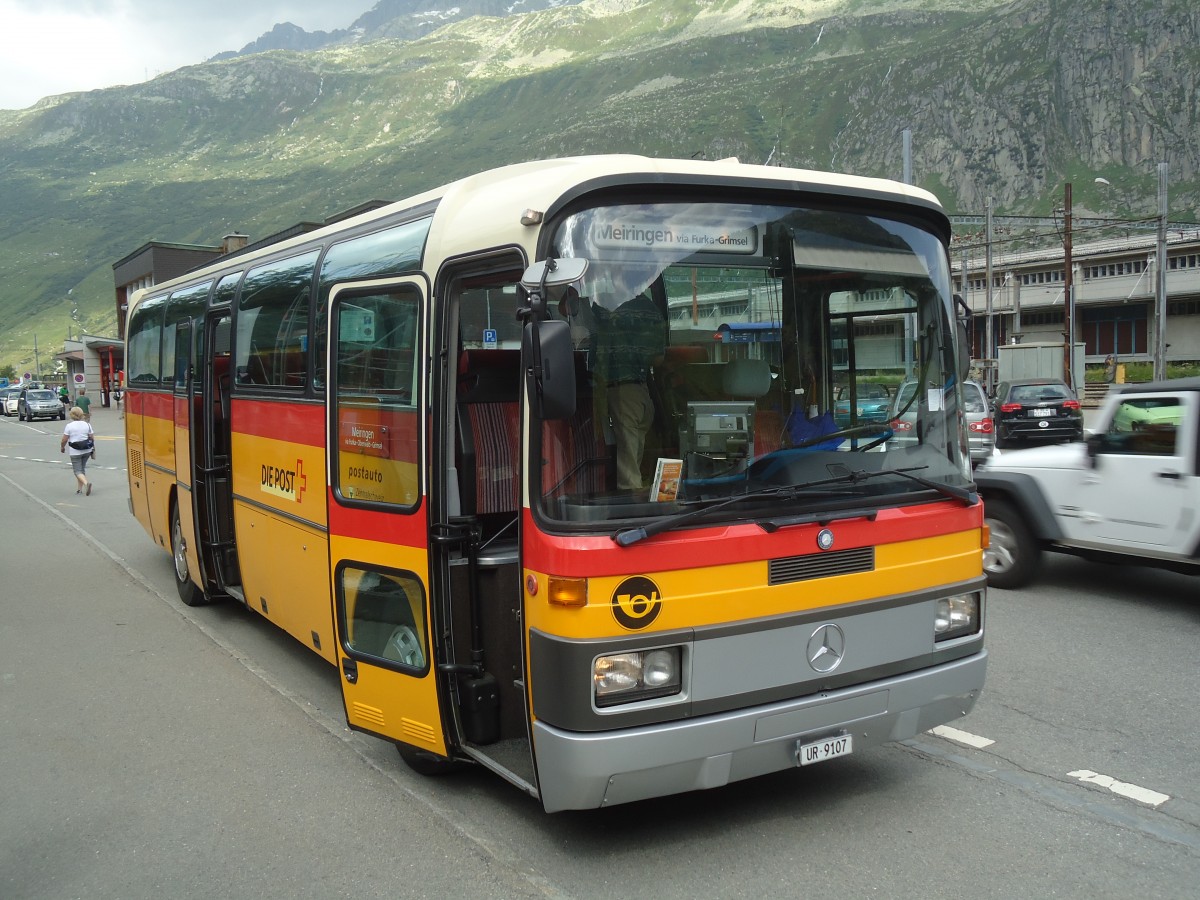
x,y
578,469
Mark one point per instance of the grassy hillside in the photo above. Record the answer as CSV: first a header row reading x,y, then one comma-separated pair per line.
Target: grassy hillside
x,y
1004,100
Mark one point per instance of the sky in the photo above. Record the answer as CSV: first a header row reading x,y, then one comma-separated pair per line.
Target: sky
x,y
52,47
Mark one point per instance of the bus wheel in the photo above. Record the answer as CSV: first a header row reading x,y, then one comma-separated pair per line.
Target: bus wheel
x,y
424,763
1013,553
188,592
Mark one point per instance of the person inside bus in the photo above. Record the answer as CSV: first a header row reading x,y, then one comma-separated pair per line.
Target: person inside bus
x,y
631,340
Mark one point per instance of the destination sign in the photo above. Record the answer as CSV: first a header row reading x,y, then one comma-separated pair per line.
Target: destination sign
x,y
663,236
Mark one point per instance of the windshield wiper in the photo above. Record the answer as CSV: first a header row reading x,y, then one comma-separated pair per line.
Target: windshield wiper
x,y
969,496
627,536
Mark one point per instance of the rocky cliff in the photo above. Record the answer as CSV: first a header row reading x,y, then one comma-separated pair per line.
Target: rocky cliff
x,y
1006,100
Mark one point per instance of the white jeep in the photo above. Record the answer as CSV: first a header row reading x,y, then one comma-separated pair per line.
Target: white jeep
x,y
1129,493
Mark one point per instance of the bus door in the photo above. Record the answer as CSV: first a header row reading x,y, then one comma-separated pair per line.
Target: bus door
x,y
475,509
213,488
189,430
378,529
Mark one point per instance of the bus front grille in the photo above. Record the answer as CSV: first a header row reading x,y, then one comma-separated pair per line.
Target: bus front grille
x,y
820,565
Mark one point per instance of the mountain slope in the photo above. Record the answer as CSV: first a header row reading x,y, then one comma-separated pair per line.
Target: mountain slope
x,y
1004,99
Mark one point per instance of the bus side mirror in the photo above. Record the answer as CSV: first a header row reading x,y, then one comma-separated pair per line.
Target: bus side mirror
x,y
548,357
553,272
547,273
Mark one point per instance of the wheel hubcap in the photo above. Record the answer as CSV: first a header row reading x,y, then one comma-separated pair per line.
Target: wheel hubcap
x,y
181,569
1002,552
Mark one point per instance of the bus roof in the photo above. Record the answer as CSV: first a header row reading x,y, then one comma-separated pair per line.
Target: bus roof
x,y
469,208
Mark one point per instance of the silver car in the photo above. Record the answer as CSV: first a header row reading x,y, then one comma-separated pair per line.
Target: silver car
x,y
40,403
977,416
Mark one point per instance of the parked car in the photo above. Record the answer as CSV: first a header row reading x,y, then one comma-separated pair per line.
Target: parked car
x,y
1146,416
40,403
13,394
871,404
1044,410
977,416
1128,494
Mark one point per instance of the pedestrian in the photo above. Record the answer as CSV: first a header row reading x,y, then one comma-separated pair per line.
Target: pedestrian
x,y
84,402
64,395
81,440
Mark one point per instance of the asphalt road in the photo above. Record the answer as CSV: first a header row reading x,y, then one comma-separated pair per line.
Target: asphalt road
x,y
151,750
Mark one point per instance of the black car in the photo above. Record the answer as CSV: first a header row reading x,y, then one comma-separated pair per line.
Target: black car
x,y
1044,410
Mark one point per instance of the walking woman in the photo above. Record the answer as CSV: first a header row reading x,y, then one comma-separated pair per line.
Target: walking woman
x,y
79,438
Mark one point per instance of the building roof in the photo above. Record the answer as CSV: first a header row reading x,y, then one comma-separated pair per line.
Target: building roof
x,y
164,245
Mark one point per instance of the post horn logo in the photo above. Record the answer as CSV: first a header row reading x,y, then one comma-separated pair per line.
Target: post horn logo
x,y
636,602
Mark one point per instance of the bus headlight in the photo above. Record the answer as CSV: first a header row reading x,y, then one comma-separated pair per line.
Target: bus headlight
x,y
956,616
641,675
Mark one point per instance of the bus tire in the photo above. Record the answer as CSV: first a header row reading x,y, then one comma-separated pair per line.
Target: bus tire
x,y
1013,553
425,763
188,592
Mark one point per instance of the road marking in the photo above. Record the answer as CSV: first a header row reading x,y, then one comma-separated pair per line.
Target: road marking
x,y
1132,791
61,461
1119,814
961,737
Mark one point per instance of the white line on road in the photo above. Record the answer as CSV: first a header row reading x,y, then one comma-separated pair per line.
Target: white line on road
x,y
961,737
61,461
1132,791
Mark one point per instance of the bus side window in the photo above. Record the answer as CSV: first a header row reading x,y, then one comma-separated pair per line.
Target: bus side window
x,y
383,615
272,323
145,343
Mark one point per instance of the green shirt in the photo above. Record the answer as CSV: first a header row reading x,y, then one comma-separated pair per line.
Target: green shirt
x,y
84,403
633,337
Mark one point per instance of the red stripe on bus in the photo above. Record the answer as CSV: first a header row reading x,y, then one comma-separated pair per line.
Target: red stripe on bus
x,y
145,403
404,528
300,423
729,544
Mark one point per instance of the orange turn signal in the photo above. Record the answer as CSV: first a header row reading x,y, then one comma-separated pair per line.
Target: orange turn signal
x,y
566,591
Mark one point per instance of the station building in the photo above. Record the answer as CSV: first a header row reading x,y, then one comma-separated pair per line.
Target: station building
x,y
1114,282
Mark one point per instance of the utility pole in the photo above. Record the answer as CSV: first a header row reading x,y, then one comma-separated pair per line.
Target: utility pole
x,y
1068,289
989,347
1160,281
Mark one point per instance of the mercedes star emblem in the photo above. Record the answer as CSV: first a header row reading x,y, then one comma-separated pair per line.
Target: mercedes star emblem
x,y
826,648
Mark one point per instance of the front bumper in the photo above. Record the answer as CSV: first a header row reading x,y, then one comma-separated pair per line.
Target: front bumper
x,y
578,770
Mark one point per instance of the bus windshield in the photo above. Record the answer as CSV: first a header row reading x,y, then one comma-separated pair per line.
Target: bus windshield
x,y
727,349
